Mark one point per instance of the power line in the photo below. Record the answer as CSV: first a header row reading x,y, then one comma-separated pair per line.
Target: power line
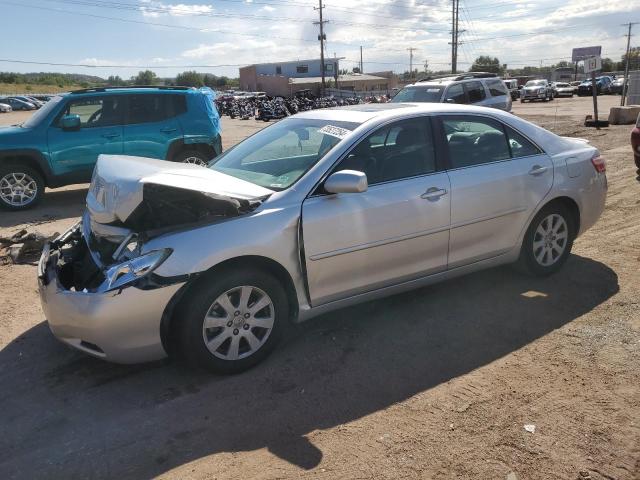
x,y
155,24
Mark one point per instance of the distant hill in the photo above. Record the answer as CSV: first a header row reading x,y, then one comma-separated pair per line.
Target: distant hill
x,y
50,78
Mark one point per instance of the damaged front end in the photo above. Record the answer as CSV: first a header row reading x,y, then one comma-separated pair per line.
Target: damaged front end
x,y
132,200
97,281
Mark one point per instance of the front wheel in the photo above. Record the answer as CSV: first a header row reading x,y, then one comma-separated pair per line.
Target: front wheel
x,y
21,187
548,241
232,320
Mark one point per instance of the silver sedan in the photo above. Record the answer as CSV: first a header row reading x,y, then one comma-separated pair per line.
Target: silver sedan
x,y
321,210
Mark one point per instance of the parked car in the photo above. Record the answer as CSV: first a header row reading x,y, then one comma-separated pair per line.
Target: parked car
x,y
5,108
323,209
603,86
17,104
635,143
512,86
31,100
562,89
575,86
616,85
536,90
59,144
476,88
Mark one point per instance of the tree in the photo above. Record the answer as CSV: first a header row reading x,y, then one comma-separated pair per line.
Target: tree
x,y
190,79
608,65
144,78
485,63
634,59
115,81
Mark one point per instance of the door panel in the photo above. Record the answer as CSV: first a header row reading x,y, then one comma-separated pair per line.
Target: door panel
x,y
74,153
151,126
362,241
491,202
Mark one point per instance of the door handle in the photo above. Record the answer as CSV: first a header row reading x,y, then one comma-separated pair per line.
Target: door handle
x,y
111,135
537,170
168,130
434,193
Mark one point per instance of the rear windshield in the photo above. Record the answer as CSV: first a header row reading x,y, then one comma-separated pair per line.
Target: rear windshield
x,y
419,94
533,83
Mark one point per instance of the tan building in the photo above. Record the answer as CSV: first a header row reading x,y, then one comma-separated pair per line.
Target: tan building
x,y
275,84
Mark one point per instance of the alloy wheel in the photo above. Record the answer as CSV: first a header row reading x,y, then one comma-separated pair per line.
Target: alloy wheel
x,y
18,189
238,323
195,161
550,239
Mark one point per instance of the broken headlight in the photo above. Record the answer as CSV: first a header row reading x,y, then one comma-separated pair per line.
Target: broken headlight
x,y
134,269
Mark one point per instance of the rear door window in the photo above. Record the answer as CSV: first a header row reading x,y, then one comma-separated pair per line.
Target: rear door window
x,y
150,108
474,140
520,146
475,91
496,88
455,94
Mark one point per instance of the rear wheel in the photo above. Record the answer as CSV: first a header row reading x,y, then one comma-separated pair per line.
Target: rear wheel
x,y
192,156
21,187
233,321
548,241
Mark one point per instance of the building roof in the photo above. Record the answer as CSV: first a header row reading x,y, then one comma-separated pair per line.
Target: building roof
x,y
341,78
308,60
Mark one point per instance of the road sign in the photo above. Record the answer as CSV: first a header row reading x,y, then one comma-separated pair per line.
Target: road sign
x,y
585,52
592,64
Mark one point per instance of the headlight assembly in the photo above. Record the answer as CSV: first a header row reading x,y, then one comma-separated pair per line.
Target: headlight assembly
x,y
135,268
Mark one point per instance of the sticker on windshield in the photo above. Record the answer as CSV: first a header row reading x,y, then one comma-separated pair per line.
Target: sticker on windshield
x,y
433,90
334,131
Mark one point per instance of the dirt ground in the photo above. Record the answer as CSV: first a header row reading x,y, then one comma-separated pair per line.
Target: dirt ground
x,y
435,383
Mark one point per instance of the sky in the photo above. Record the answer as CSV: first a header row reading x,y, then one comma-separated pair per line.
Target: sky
x,y
121,37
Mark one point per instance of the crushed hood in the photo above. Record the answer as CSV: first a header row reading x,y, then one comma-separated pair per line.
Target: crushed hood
x,y
143,193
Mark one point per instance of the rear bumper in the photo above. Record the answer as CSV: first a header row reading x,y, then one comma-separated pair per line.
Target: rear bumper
x,y
121,326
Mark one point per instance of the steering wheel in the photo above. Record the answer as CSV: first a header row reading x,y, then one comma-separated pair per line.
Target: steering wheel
x,y
95,116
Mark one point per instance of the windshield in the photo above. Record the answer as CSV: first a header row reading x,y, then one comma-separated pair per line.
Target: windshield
x,y
535,83
419,94
562,85
279,155
35,119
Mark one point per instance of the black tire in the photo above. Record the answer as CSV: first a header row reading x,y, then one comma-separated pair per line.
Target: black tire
x,y
21,170
201,299
191,156
527,261
522,100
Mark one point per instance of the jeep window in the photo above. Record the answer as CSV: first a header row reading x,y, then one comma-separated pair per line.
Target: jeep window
x,y
455,93
475,90
94,111
149,108
425,93
41,114
279,155
496,88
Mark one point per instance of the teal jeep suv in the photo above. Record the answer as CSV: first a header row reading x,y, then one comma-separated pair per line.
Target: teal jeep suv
x,y
60,143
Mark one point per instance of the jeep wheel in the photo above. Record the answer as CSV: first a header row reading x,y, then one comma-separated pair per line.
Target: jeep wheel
x,y
191,156
21,187
232,320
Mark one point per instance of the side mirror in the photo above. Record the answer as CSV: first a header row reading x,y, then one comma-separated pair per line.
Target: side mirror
x,y
346,181
70,122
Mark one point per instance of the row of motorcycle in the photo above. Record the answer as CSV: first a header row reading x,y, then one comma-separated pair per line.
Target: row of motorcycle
x,y
275,108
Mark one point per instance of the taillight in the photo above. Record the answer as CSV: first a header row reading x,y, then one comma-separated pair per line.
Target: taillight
x,y
599,164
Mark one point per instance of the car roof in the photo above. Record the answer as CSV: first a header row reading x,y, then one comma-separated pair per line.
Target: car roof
x,y
365,112
134,89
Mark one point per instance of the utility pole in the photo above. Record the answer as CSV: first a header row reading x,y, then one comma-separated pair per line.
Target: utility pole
x,y
455,32
626,65
361,65
411,50
322,37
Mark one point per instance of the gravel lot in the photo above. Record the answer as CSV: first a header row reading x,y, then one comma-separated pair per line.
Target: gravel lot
x,y
435,383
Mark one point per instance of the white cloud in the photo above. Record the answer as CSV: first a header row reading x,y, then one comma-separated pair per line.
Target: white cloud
x,y
154,9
